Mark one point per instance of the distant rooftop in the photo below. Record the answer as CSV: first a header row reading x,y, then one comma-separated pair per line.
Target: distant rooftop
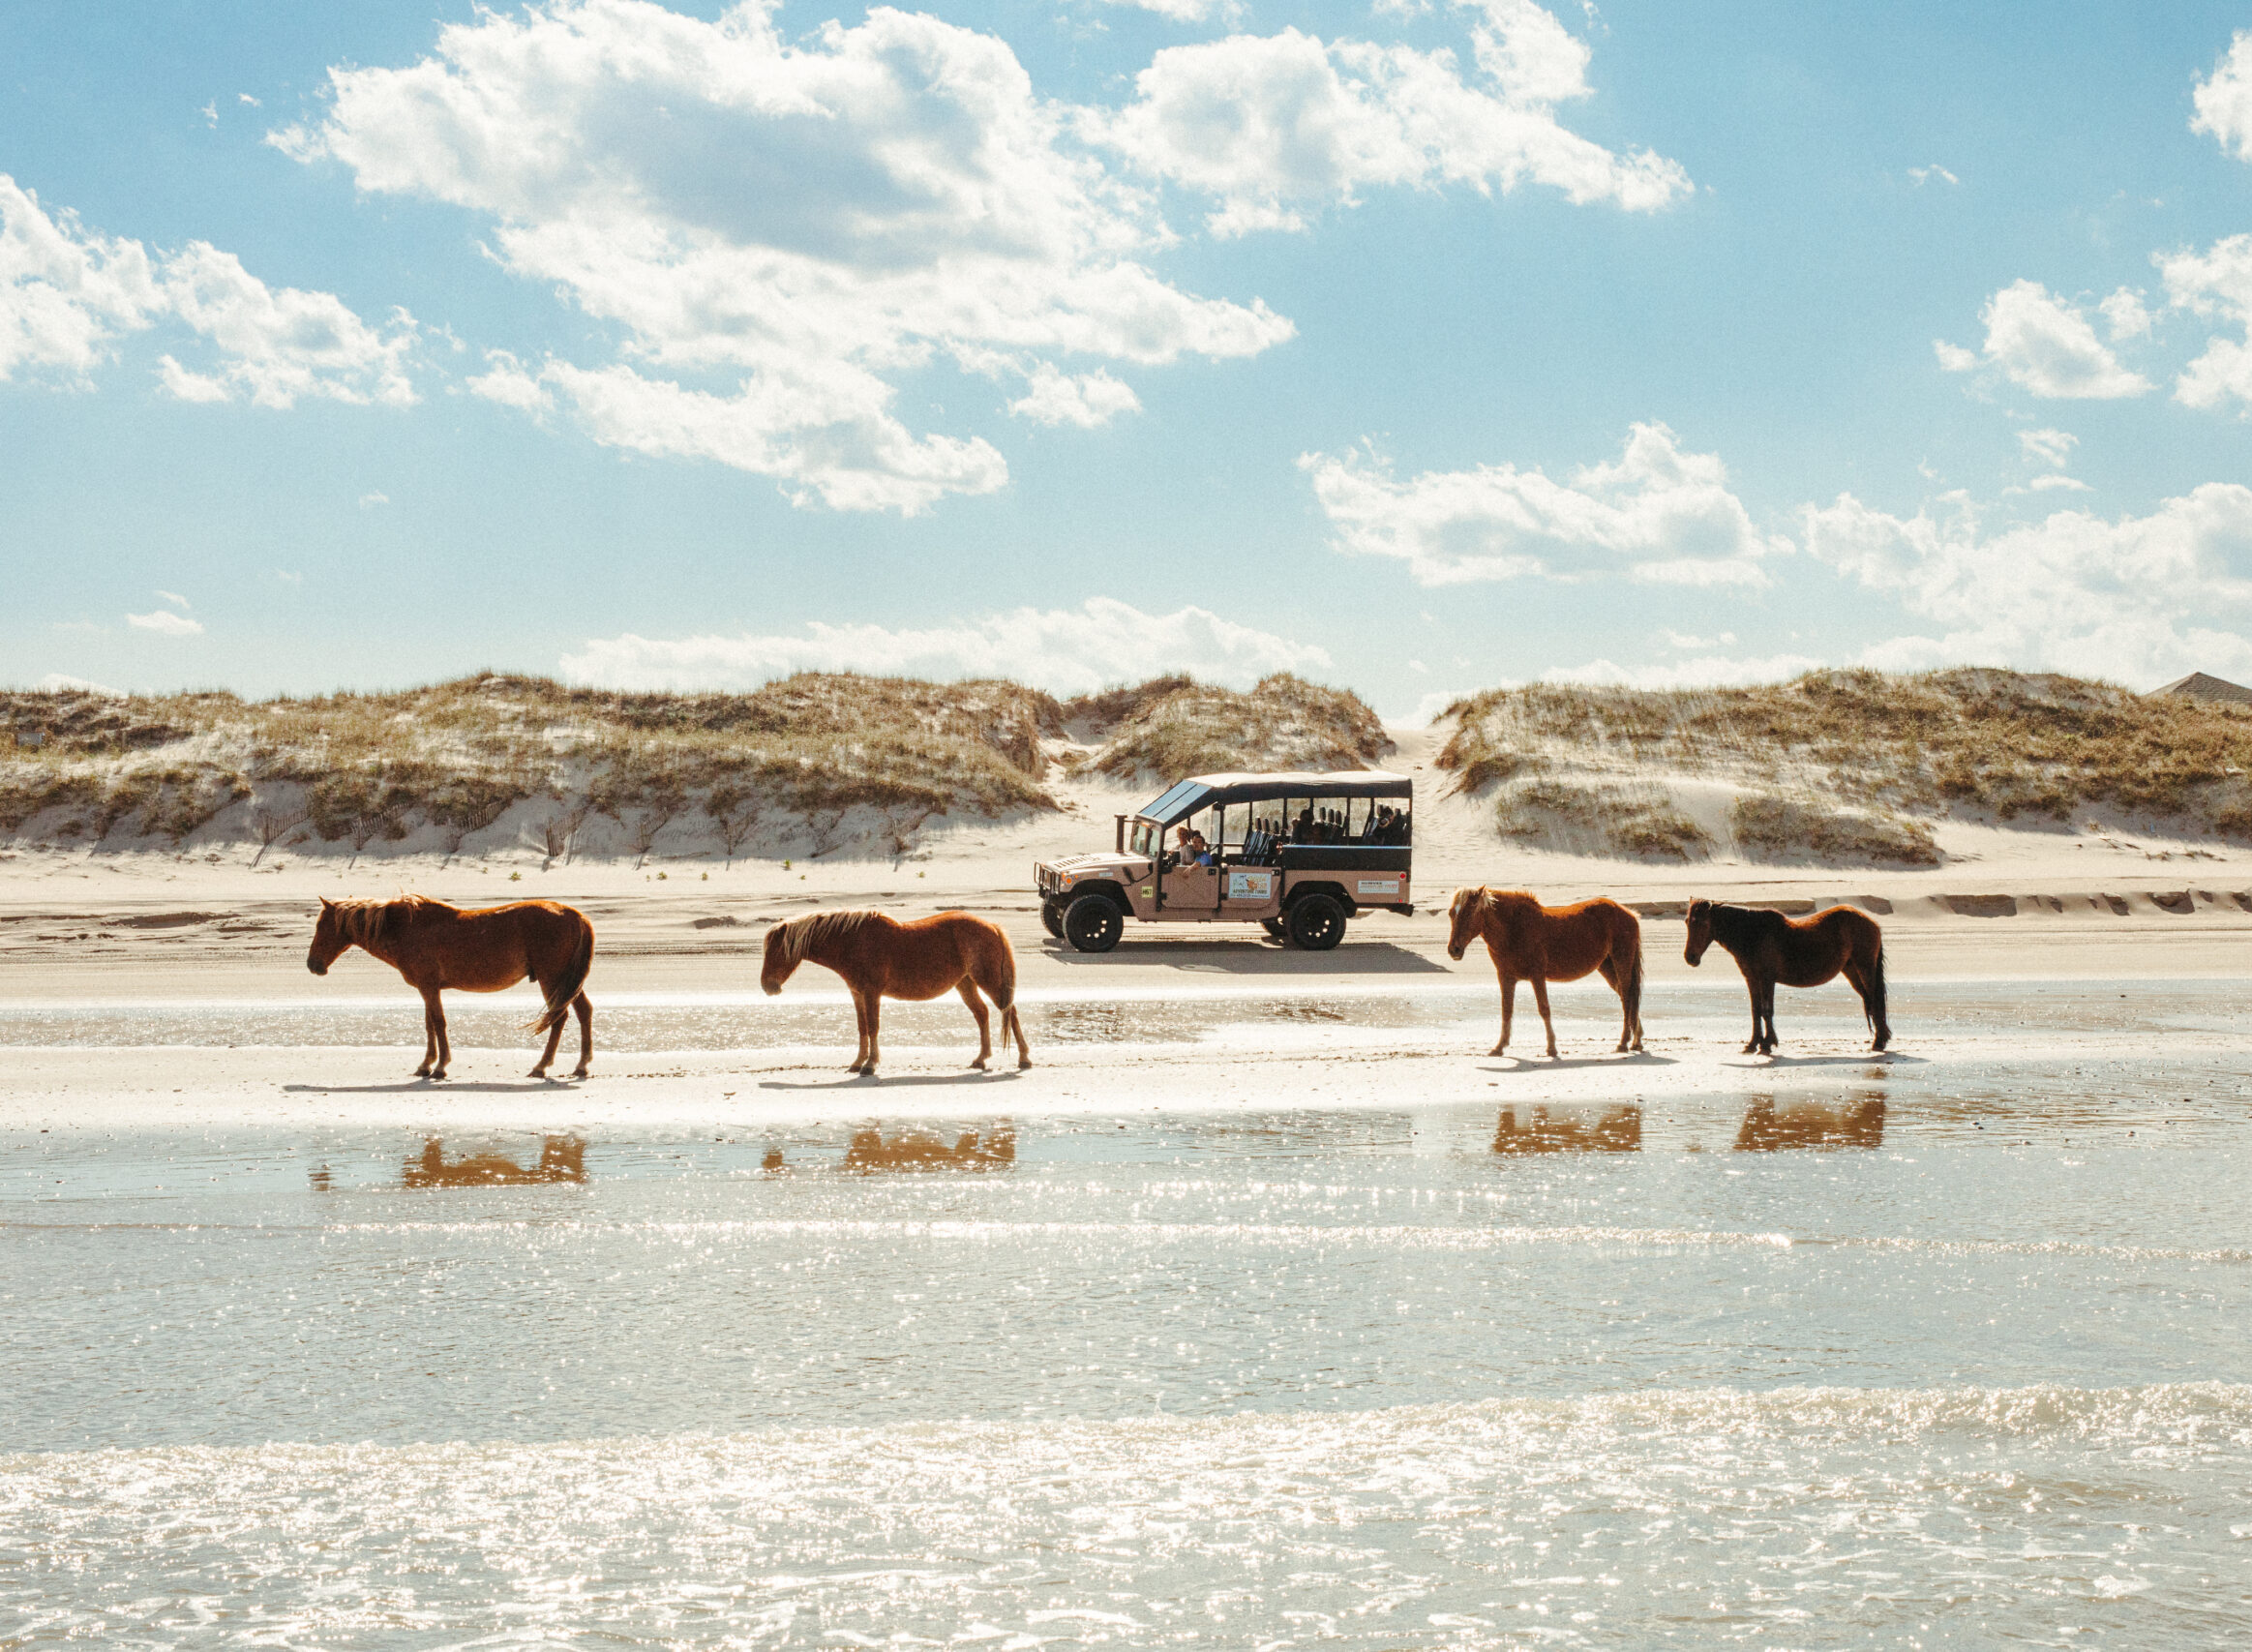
x,y
2197,685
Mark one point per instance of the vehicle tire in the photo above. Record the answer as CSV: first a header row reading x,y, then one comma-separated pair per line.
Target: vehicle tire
x,y
1317,922
1052,918
1093,924
1275,928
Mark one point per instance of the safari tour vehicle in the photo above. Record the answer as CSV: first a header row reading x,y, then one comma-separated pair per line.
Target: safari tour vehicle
x,y
1297,854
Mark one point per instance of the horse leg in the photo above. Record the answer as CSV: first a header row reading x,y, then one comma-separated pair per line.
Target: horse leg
x,y
1507,1013
875,1026
1752,985
1767,1014
861,1056
1610,974
968,988
584,1006
548,1056
1011,1020
1541,997
437,1050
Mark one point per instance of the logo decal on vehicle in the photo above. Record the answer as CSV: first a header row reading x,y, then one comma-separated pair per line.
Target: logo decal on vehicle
x,y
1379,886
1250,885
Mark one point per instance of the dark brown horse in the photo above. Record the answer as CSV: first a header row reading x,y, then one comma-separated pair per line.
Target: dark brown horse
x,y
435,946
1803,951
881,957
1541,944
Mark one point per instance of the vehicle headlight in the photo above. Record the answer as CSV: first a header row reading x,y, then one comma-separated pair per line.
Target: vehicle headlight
x,y
1067,880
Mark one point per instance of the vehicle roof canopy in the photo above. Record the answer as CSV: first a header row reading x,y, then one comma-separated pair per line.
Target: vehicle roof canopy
x,y
1209,790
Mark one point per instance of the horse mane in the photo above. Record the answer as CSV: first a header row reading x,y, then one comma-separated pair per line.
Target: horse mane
x,y
362,919
794,937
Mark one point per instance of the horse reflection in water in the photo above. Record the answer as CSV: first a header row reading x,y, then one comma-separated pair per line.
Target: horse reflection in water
x,y
1614,1130
919,1150
1768,1128
563,1159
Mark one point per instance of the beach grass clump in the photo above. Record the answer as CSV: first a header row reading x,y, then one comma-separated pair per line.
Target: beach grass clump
x,y
801,754
1973,742
1771,827
1638,820
1172,728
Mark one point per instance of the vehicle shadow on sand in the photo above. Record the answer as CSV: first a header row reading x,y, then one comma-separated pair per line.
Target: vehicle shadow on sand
x,y
1542,1063
1252,957
854,1080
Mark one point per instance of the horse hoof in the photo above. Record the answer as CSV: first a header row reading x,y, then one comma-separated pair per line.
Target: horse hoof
x,y
577,1073
1023,1063
978,1064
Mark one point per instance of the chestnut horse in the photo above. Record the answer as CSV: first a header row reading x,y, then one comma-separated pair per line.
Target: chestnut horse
x,y
1542,943
1804,951
436,945
881,957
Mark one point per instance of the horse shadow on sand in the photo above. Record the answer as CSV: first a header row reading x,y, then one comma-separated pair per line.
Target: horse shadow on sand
x,y
425,1086
861,1081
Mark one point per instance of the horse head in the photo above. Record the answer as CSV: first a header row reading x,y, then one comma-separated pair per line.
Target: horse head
x,y
780,962
1699,932
329,940
1465,914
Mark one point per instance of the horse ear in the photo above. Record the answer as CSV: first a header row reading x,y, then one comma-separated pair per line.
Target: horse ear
x,y
327,905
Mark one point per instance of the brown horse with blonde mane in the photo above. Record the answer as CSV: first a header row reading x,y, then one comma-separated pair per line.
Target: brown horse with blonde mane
x,y
1543,943
881,957
435,946
1802,951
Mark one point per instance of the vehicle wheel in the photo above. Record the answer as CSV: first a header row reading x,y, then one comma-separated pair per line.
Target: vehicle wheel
x,y
1317,923
1052,918
1275,928
1093,924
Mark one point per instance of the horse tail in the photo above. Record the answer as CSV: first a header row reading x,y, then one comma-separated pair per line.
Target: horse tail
x,y
1000,963
565,986
1875,1004
1634,989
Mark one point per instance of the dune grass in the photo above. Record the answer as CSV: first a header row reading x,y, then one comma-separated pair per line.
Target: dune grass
x,y
1638,820
457,756
1771,827
1171,728
1981,745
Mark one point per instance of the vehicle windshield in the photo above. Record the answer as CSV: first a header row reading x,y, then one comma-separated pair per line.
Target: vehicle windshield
x,y
1163,805
1144,839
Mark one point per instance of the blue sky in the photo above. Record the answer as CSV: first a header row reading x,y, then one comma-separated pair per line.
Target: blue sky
x,y
1419,347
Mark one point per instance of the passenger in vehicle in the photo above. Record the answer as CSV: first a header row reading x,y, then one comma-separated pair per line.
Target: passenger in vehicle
x,y
1194,851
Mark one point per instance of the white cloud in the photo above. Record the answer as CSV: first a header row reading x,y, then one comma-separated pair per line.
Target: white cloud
x,y
1054,397
1655,514
1064,651
55,683
2056,481
175,599
2051,448
1925,174
2216,282
1179,10
2046,345
781,230
2139,600
67,294
1275,128
1712,670
166,623
2125,314
246,97
1681,640
289,576
369,501
2224,98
